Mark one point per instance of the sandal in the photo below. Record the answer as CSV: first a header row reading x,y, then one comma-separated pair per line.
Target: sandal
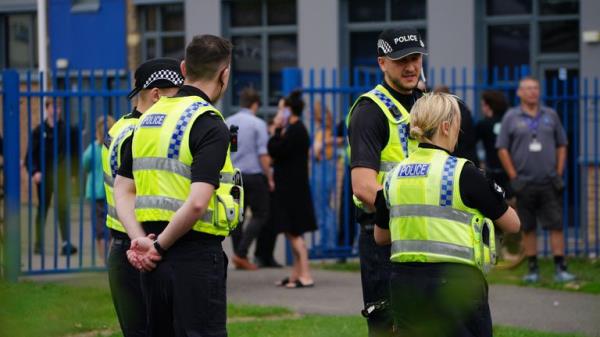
x,y
284,282
299,284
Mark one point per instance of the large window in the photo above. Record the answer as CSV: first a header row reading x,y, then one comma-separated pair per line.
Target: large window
x,y
264,37
162,31
366,19
528,32
18,41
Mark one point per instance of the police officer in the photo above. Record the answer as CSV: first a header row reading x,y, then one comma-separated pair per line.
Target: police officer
x,y
153,79
441,238
378,140
177,180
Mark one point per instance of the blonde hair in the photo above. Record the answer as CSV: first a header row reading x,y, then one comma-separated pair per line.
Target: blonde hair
x,y
100,130
429,112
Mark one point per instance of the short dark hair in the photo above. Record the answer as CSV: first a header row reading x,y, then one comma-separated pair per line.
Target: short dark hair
x,y
528,78
295,102
496,100
249,96
205,55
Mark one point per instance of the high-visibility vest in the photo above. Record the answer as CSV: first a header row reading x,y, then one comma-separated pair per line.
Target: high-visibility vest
x,y
399,144
162,162
111,160
428,220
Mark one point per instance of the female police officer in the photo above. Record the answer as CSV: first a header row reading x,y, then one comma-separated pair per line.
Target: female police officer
x,y
435,210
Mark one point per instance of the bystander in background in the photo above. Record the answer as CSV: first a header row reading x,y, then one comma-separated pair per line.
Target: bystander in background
x,y
94,188
532,146
253,160
293,208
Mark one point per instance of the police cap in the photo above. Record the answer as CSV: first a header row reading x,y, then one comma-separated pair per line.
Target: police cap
x,y
396,43
157,73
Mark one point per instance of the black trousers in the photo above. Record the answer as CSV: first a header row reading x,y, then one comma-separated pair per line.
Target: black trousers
x,y
439,300
126,289
265,244
61,202
186,293
256,197
375,275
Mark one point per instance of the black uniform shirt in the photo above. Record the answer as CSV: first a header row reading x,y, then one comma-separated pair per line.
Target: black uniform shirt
x,y
475,192
208,142
369,131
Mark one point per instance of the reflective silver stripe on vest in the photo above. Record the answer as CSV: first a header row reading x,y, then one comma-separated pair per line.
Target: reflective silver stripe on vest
x,y
227,178
108,180
162,164
387,166
165,203
172,166
431,211
112,212
433,247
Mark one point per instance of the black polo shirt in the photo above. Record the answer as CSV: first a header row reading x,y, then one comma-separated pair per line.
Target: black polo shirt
x,y
208,142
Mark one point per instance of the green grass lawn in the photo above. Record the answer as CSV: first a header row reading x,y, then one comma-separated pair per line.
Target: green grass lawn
x,y
55,310
587,271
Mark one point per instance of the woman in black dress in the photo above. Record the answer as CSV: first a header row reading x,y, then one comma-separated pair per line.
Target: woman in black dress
x,y
292,208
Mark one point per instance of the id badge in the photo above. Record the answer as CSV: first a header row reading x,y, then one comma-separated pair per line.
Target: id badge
x,y
535,146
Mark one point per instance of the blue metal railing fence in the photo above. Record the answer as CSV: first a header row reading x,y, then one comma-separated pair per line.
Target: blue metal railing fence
x,y
86,95
575,99
45,239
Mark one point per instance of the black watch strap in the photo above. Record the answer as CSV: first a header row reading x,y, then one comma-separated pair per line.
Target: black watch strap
x,y
159,248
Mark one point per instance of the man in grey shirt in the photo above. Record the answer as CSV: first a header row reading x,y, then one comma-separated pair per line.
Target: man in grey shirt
x,y
253,160
532,147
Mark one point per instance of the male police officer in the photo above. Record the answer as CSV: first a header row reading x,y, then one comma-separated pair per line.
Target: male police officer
x,y
153,79
378,138
176,178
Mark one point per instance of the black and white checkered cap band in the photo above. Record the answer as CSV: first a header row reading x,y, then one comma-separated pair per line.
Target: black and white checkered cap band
x,y
164,74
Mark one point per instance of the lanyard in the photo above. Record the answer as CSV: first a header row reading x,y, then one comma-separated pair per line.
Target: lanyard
x,y
533,122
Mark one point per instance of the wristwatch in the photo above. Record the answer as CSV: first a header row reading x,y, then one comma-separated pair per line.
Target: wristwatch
x,y
159,248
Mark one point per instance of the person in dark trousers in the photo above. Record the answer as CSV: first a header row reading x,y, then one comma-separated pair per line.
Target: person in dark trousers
x,y
493,107
532,147
253,160
153,79
293,207
178,195
467,138
50,173
434,209
379,140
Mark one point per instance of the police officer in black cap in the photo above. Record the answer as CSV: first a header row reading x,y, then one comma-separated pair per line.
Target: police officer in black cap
x,y
153,79
378,139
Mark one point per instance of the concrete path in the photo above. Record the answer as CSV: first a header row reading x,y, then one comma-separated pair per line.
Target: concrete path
x,y
338,293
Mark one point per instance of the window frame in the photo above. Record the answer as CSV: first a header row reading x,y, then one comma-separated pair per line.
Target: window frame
x,y
536,56
158,34
264,31
4,41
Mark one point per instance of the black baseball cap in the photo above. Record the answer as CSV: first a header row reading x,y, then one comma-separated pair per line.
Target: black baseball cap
x,y
396,43
157,73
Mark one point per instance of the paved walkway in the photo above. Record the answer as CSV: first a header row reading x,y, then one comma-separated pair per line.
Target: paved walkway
x,y
338,293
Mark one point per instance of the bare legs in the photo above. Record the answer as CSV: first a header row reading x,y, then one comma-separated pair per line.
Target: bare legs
x,y
300,267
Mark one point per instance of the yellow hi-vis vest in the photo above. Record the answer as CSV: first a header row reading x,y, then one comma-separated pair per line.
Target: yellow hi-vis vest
x,y
399,145
111,160
428,220
162,162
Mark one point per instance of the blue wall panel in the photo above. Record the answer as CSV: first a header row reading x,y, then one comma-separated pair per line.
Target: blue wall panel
x,y
88,39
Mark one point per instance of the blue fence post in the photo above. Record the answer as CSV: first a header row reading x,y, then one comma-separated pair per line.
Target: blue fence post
x,y
292,79
12,176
